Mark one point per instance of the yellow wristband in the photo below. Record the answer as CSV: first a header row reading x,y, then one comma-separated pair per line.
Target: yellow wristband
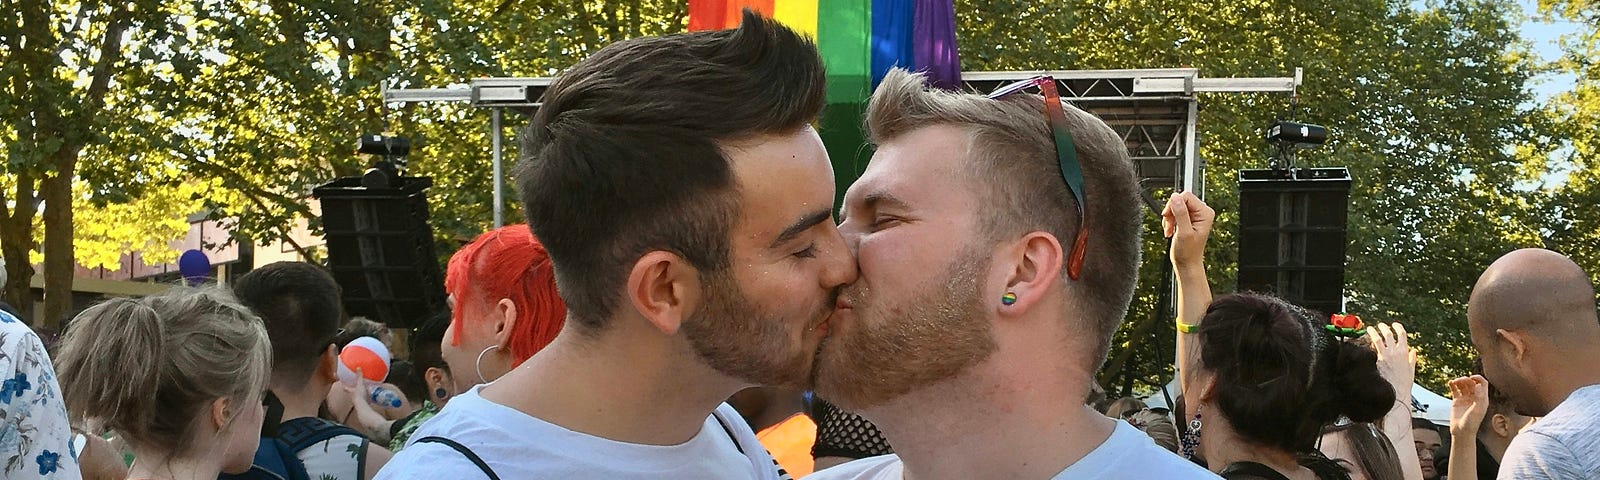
x,y
1185,328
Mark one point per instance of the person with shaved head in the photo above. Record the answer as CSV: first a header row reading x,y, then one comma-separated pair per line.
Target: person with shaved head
x,y
1533,320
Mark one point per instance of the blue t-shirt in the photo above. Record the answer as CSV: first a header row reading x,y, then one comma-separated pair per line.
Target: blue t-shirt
x,y
1563,445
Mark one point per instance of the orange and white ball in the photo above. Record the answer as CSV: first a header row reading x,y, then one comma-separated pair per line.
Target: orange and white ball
x,y
366,354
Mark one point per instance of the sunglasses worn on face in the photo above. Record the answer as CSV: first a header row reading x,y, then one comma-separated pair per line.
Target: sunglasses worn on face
x,y
1066,155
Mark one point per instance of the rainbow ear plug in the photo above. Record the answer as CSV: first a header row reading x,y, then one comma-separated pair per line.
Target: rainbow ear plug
x,y
1345,325
1008,298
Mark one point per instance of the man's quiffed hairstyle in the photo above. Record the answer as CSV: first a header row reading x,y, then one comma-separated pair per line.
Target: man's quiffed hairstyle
x,y
1018,178
625,155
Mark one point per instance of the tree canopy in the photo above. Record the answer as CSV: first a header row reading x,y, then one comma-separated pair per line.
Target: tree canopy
x,y
133,116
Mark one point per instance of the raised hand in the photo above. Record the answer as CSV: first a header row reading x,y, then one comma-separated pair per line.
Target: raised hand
x,y
1187,221
1469,401
1396,361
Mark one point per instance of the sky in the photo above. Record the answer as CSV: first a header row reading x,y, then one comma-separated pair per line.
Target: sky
x,y
1546,38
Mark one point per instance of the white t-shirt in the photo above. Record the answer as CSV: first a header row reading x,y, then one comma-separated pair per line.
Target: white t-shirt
x,y
1127,454
1560,446
516,445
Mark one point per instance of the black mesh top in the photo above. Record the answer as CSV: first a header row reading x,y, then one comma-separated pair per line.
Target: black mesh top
x,y
845,434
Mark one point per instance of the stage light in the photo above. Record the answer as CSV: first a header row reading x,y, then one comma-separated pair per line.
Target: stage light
x,y
1298,135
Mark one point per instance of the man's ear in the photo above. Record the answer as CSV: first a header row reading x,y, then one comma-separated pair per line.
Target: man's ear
x,y
1500,425
328,365
1517,344
1035,270
665,290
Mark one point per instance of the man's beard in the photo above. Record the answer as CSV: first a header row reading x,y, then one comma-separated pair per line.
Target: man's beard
x,y
894,347
737,339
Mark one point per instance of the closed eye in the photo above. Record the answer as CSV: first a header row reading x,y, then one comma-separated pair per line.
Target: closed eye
x,y
809,252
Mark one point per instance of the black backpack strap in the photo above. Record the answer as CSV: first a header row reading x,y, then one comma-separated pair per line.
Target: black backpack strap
x,y
464,451
301,433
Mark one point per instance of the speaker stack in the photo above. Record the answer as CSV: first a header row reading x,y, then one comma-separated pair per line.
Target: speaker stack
x,y
1292,234
380,249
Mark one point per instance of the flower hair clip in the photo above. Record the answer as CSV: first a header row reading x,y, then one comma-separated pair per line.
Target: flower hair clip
x,y
1348,326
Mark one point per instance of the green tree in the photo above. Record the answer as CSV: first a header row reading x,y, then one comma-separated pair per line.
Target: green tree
x,y
238,109
245,106
1425,102
59,63
1575,224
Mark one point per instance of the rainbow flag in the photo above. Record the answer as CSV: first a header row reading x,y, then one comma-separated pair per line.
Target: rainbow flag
x,y
859,41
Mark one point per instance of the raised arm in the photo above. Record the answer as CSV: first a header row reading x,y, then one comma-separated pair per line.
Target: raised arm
x,y
1469,401
1398,364
1187,221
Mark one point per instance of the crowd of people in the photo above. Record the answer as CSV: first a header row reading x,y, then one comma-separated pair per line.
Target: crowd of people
x,y
683,303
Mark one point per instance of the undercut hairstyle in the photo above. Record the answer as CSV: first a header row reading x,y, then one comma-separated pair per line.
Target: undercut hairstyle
x,y
626,154
1012,160
299,303
148,367
1280,377
425,344
507,263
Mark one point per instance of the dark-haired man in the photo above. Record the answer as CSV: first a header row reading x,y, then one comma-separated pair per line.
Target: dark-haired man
x,y
1429,441
686,204
299,304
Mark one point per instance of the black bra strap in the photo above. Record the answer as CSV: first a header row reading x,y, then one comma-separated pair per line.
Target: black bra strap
x,y
464,451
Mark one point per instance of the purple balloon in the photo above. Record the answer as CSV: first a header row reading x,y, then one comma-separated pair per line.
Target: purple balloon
x,y
195,266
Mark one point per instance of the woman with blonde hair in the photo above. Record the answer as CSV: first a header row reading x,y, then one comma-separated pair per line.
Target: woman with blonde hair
x,y
179,376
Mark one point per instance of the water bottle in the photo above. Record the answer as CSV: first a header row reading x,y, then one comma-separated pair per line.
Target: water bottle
x,y
384,397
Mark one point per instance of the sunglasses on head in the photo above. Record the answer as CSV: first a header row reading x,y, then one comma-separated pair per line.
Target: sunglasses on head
x,y
1066,155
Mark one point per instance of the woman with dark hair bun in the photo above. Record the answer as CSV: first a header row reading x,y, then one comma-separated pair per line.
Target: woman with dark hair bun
x,y
1261,376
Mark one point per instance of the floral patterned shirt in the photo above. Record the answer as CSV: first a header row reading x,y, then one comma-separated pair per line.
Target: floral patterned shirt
x,y
409,424
35,438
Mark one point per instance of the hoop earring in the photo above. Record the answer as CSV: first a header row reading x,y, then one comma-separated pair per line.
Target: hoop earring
x,y
478,366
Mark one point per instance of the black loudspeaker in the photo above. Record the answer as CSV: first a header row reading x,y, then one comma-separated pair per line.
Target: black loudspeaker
x,y
1292,234
380,249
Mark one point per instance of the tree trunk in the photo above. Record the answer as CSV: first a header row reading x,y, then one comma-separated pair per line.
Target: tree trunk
x,y
58,252
16,240
56,187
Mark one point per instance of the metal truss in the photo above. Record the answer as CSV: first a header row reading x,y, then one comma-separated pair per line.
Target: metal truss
x,y
1154,111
